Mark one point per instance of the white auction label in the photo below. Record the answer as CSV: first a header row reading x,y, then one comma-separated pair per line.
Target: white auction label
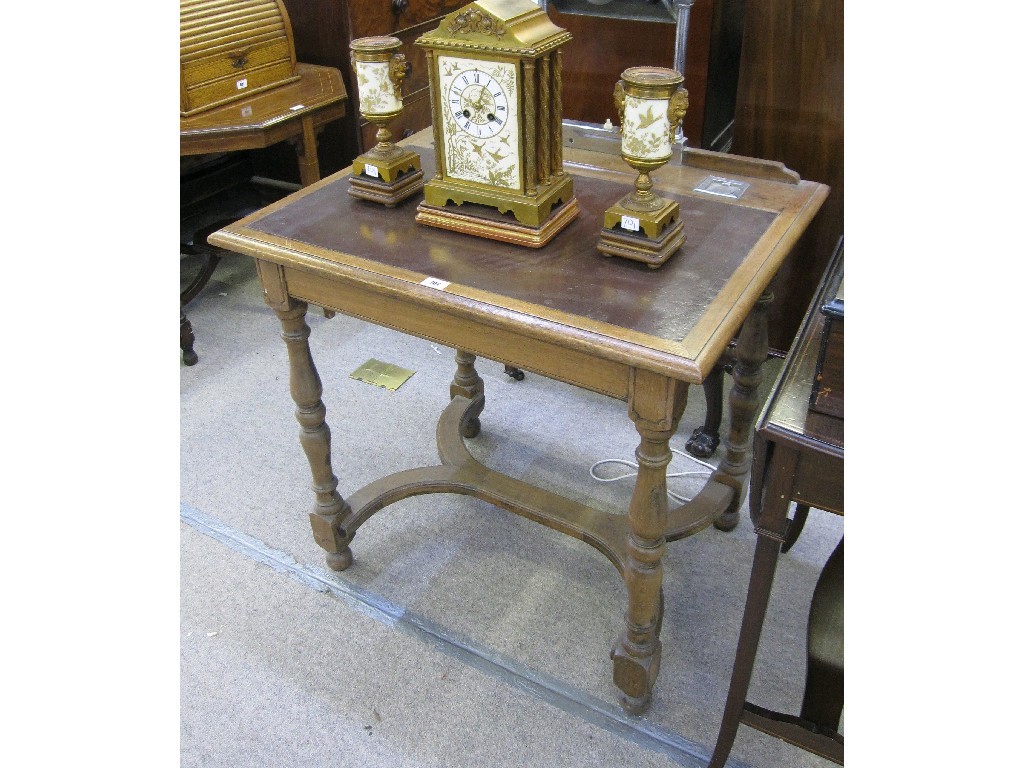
x,y
371,170
631,223
434,282
241,84
297,107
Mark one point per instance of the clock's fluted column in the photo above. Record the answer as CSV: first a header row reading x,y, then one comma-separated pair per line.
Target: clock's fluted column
x,y
435,110
530,107
556,113
544,153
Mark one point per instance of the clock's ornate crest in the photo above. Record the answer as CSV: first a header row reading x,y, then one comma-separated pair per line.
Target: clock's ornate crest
x,y
473,20
495,70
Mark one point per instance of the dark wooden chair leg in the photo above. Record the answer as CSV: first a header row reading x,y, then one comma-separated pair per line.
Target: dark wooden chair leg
x,y
705,438
203,277
799,518
514,373
188,339
770,522
823,691
199,247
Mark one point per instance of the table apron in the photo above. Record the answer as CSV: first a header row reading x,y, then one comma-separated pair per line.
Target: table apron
x,y
543,357
201,142
815,482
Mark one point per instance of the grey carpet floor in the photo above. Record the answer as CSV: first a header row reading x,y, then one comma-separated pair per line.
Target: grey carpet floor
x,y
462,635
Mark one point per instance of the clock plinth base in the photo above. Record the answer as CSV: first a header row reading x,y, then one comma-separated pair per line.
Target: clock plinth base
x,y
639,247
481,221
399,176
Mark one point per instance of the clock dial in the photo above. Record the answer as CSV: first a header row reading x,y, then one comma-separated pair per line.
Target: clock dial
x,y
481,121
478,103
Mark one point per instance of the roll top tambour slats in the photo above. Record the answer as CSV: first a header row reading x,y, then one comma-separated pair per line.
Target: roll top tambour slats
x,y
193,8
219,43
231,49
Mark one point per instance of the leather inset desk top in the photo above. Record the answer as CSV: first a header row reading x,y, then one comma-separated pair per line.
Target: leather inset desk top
x,y
568,275
605,314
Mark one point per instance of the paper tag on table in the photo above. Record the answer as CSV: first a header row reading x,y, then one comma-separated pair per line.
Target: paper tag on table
x,y
435,282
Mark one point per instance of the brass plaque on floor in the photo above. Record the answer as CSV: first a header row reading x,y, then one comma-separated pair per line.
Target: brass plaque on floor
x,y
382,374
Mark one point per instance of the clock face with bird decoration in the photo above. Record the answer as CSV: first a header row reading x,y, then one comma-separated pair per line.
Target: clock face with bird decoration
x,y
482,117
495,78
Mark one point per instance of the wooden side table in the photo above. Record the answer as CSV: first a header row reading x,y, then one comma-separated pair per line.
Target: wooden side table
x,y
292,112
564,311
798,457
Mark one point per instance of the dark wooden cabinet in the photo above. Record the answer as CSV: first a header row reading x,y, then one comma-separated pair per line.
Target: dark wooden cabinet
x,y
608,39
789,107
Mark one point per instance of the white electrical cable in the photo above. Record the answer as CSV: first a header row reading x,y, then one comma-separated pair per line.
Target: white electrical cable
x,y
634,465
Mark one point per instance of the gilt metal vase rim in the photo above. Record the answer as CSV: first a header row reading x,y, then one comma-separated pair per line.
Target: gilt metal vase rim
x,y
652,76
376,44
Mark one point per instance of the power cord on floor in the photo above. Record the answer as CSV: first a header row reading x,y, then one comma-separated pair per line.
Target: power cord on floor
x,y
677,497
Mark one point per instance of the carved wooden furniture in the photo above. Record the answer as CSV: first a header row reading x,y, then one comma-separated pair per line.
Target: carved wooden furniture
x,y
242,89
798,457
232,50
564,311
294,112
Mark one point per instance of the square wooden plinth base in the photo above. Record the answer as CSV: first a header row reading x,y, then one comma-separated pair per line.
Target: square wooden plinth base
x,y
482,221
379,191
653,253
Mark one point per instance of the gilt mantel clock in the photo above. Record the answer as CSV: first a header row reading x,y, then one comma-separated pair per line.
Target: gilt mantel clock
x,y
495,70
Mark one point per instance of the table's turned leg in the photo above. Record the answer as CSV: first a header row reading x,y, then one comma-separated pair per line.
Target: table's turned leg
x,y
655,406
188,340
309,163
751,353
315,437
468,384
